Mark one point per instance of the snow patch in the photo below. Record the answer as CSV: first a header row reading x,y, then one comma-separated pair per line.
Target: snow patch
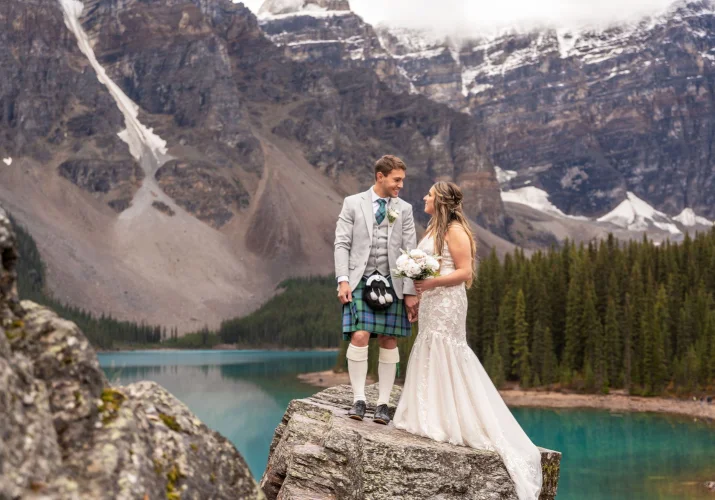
x,y
635,214
468,76
688,218
424,54
7,161
479,88
317,13
567,41
504,176
273,7
139,138
403,72
312,42
536,198
615,73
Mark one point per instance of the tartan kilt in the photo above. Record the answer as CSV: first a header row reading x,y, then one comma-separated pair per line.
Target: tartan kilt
x,y
357,315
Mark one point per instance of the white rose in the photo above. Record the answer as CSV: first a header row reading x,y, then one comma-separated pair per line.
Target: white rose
x,y
402,261
414,269
417,254
432,263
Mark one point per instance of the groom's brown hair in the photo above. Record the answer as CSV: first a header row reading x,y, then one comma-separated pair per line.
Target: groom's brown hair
x,y
387,164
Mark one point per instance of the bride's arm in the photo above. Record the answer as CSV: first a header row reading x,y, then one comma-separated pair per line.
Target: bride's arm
x,y
461,250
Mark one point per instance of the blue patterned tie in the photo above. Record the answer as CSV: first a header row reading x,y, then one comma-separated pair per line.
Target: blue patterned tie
x,y
381,212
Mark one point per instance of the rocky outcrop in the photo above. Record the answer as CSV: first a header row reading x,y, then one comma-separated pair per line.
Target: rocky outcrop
x,y
68,434
318,452
117,179
199,188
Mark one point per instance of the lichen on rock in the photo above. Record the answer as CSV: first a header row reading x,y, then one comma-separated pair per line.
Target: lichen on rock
x,y
68,434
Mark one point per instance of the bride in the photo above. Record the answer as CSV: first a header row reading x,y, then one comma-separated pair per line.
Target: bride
x,y
448,395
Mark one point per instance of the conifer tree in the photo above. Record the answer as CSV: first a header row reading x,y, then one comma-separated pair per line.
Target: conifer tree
x,y
549,370
658,370
505,333
594,355
612,347
522,357
573,344
494,365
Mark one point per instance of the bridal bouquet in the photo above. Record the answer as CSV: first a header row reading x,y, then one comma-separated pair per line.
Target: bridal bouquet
x,y
417,265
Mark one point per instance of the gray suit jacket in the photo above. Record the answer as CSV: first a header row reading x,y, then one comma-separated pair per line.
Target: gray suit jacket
x,y
353,239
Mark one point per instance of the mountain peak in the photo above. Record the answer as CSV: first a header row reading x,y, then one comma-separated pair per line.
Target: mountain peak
x,y
277,7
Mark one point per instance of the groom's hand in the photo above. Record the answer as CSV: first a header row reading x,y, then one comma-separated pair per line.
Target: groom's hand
x,y
344,293
412,303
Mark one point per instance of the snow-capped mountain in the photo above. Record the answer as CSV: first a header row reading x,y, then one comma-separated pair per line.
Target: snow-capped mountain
x,y
587,115
636,215
688,218
632,214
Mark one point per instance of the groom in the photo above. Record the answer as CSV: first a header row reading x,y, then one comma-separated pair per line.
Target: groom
x,y
372,228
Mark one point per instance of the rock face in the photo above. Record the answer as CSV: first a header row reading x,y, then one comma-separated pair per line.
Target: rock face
x,y
330,34
588,116
431,63
68,434
50,106
117,179
200,188
319,453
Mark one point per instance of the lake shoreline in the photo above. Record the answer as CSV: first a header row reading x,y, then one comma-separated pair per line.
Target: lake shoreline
x,y
220,347
616,402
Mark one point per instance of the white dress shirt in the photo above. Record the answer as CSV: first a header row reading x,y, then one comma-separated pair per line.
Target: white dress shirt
x,y
375,208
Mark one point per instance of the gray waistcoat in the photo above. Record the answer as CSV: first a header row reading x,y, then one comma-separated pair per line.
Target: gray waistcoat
x,y
378,250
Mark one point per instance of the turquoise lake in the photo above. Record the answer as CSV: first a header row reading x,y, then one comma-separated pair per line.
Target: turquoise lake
x,y
243,394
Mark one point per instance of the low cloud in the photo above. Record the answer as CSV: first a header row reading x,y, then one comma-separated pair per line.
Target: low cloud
x,y
470,17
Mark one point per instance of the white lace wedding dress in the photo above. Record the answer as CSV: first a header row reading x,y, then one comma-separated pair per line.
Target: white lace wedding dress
x,y
448,395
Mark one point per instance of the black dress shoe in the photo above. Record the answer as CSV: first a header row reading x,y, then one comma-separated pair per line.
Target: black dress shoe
x,y
382,416
357,412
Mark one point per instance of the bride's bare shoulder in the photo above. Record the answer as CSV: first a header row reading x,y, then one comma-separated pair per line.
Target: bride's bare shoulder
x,y
456,234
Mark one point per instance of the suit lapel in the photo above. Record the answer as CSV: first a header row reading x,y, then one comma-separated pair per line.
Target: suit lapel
x,y
394,205
367,211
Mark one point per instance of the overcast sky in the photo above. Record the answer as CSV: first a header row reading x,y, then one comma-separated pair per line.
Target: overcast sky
x,y
480,15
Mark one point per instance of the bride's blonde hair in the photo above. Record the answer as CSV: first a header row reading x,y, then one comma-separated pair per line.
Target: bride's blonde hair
x,y
447,211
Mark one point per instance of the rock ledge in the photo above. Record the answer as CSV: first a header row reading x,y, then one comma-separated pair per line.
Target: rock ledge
x,y
65,433
319,453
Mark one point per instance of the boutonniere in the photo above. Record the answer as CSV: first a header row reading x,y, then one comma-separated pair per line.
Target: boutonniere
x,y
392,215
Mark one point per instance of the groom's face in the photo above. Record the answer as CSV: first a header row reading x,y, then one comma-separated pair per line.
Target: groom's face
x,y
391,184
